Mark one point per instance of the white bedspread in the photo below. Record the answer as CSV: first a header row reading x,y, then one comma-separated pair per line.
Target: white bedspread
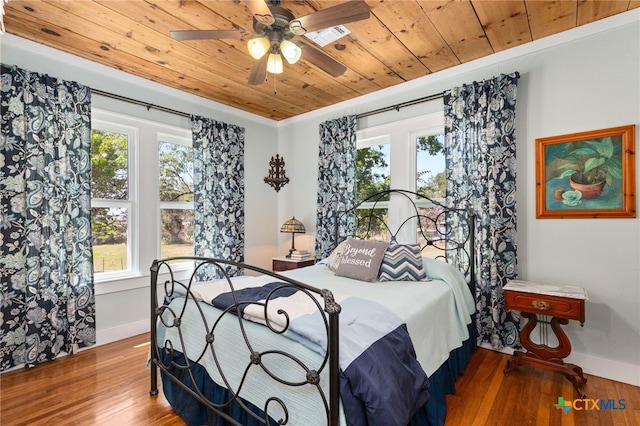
x,y
436,312
258,386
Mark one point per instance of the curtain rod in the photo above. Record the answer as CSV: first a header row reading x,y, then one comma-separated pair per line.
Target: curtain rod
x,y
409,103
363,115
401,105
183,114
137,102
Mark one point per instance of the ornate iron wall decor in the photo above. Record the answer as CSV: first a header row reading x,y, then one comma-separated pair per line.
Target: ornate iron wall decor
x,y
277,177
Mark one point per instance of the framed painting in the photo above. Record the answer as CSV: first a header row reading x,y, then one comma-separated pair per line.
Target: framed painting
x,y
587,174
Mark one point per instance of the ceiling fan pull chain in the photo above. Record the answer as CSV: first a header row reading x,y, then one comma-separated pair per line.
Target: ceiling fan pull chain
x,y
275,90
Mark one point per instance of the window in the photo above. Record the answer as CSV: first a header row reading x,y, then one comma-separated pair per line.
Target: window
x,y
402,155
142,197
111,196
176,198
431,178
431,182
373,174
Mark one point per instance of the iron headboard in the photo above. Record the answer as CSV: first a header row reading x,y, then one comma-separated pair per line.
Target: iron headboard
x,y
443,232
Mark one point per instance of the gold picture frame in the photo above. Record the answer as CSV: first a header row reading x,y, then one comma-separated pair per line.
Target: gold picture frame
x,y
587,175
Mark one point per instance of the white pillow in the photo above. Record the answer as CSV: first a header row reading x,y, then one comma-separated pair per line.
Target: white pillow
x,y
334,258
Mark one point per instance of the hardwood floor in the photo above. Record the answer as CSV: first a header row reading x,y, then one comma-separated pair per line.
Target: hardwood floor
x,y
485,396
109,385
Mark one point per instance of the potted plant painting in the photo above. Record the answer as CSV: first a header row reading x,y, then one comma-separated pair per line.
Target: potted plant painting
x,y
586,175
590,165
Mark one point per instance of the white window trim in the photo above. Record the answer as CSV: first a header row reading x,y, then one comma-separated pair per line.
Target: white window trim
x,y
144,225
402,136
130,204
184,140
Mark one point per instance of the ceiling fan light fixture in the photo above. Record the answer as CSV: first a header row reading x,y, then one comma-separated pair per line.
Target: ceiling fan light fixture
x,y
274,64
290,51
258,47
274,27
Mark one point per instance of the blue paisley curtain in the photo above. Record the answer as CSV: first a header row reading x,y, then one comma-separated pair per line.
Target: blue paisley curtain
x,y
46,264
336,180
480,152
218,193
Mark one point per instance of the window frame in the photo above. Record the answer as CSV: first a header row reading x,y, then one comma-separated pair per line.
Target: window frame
x,y
130,203
174,205
402,136
144,225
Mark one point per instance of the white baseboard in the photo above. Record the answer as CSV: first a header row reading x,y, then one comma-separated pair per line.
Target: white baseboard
x,y
607,368
122,332
601,367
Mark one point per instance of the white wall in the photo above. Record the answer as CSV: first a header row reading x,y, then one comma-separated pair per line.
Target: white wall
x,y
581,80
585,79
125,312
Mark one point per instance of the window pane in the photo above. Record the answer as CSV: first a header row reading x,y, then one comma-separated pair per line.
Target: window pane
x,y
373,173
109,165
176,172
431,182
432,226
430,168
371,223
109,236
177,232
176,189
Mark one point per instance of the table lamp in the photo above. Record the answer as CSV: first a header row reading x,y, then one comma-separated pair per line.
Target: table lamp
x,y
293,226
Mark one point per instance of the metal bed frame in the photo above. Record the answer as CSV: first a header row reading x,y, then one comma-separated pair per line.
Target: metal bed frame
x,y
450,231
161,312
437,231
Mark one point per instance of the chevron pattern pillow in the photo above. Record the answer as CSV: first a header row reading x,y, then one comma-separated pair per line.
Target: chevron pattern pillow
x,y
402,262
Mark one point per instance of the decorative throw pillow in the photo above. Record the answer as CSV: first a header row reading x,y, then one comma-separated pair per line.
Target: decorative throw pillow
x,y
334,258
402,262
361,259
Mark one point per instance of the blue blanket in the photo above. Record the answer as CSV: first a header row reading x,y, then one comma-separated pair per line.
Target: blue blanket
x,y
381,381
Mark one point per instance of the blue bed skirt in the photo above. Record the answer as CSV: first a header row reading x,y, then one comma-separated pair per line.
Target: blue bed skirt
x,y
434,412
442,383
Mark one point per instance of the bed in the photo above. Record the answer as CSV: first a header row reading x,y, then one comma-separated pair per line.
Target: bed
x,y
376,333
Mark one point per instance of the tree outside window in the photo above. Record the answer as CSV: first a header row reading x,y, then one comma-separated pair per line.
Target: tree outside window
x,y
374,174
176,199
110,204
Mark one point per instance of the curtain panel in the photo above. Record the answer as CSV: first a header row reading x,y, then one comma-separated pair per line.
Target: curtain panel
x,y
46,264
480,155
336,181
218,193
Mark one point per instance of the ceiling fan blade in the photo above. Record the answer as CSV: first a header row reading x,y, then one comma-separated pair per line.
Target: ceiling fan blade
x,y
260,11
208,34
350,11
321,60
259,71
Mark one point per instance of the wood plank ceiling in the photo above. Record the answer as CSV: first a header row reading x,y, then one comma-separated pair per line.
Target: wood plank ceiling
x,y
402,40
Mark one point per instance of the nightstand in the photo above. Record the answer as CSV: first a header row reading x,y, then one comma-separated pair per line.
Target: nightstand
x,y
561,304
280,264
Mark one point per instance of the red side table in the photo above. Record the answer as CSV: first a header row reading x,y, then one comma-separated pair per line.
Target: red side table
x,y
537,302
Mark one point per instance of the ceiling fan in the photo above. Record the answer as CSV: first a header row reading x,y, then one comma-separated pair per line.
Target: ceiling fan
x,y
273,29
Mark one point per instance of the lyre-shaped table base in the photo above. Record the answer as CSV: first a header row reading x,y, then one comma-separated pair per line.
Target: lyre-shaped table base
x,y
544,356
